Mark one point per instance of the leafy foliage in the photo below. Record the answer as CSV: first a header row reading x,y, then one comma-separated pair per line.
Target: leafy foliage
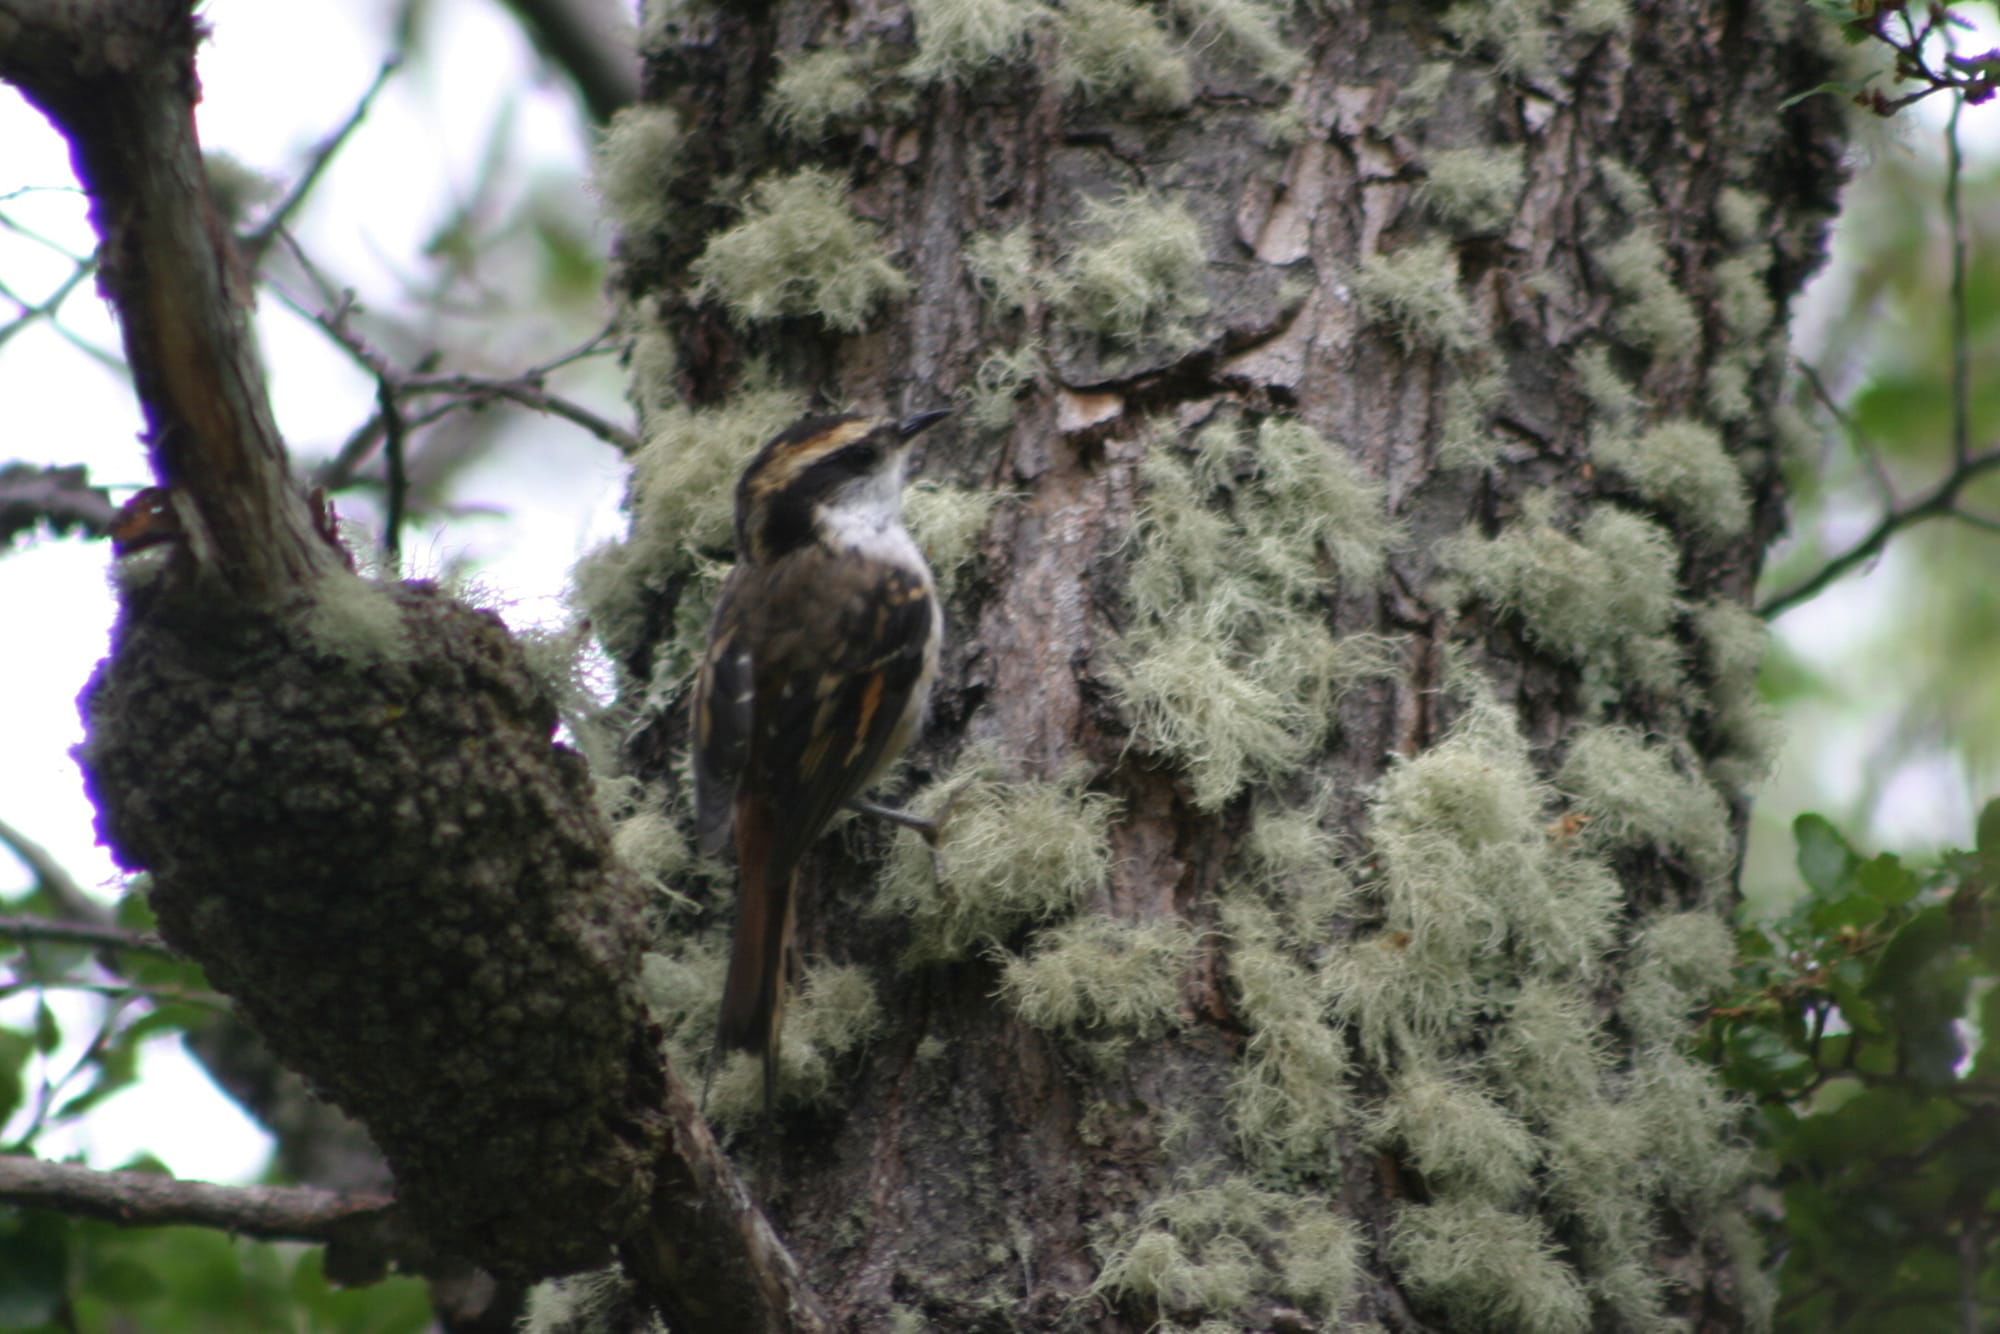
x,y
1867,1027
81,1277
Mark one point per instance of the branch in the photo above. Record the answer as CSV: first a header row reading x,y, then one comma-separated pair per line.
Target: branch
x,y
257,241
1940,502
588,43
361,1225
71,901
63,497
117,78
80,933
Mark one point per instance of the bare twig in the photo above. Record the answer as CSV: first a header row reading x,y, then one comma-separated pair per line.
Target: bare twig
x,y
526,390
63,497
391,414
255,243
1961,442
147,1199
1940,501
1845,420
101,936
466,392
47,307
70,899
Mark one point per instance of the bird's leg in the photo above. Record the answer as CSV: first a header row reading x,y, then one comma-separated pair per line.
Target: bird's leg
x,y
927,829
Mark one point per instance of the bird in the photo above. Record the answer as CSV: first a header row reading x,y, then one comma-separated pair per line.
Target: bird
x,y
821,654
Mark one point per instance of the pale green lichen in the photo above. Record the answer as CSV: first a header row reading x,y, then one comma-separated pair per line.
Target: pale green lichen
x,y
1417,97
1593,18
959,39
1636,795
947,523
1203,1251
817,91
1415,291
648,841
833,1012
1603,385
1108,50
1096,973
1229,666
1733,641
1137,273
1288,1100
1011,851
1518,32
799,251
587,1304
1655,314
1605,599
1467,439
1246,29
1680,962
683,509
1550,1053
997,383
1727,388
1487,1269
1469,876
1003,264
1690,1125
633,164
1681,466
1627,188
355,620
1602,1172
1474,188
1743,296
1464,1143
1739,214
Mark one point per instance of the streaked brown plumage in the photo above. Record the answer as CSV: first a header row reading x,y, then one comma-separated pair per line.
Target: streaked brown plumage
x,y
819,664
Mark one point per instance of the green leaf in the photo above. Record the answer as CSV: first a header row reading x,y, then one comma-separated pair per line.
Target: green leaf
x,y
34,1268
48,1031
1760,1061
15,1048
1825,859
1987,841
1887,880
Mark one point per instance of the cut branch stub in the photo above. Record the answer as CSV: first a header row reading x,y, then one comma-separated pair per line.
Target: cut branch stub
x,y
356,821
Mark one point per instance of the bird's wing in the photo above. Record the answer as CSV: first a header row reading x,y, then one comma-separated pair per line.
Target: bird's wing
x,y
831,696
720,728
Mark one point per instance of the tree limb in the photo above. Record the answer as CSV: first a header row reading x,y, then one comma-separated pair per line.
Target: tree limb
x,y
80,933
62,497
587,42
1941,501
118,80
367,1228
71,902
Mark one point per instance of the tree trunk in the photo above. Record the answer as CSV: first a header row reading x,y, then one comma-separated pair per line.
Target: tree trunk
x,y
1368,435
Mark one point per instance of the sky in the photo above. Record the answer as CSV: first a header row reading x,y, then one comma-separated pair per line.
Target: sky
x,y
555,489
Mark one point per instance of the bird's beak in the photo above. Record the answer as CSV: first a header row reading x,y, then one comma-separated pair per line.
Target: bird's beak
x,y
911,425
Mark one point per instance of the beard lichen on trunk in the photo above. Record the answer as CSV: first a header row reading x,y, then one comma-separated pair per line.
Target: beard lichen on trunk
x,y
351,811
1384,413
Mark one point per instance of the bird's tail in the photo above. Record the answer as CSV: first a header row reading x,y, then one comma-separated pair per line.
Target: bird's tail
x,y
753,996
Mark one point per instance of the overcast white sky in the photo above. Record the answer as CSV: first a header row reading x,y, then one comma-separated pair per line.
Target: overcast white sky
x,y
266,103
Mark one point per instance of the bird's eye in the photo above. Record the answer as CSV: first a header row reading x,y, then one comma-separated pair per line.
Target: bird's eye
x,y
859,457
